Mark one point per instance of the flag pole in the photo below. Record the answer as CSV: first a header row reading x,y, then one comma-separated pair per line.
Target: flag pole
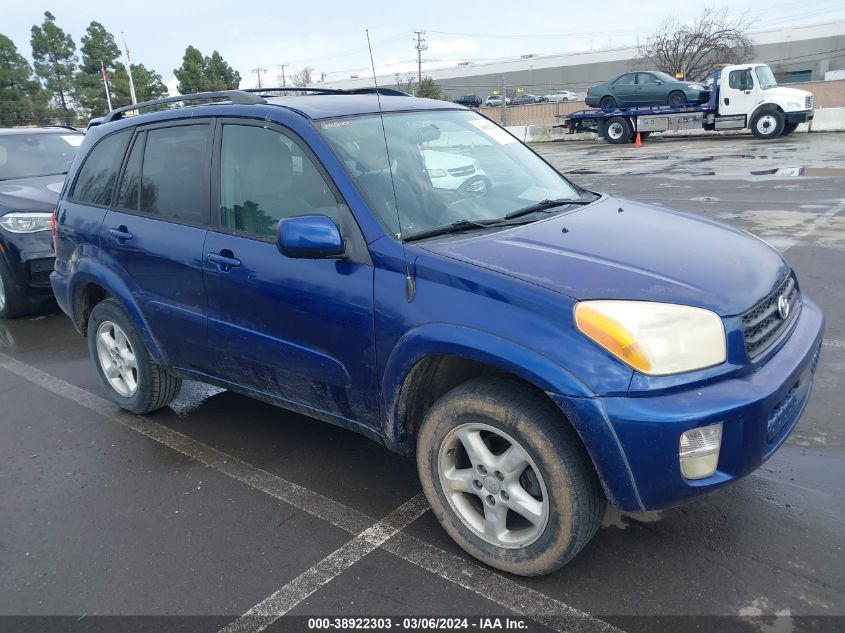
x,y
105,83
129,71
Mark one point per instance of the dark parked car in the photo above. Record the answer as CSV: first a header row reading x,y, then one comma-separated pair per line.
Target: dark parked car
x,y
538,350
470,101
643,88
33,164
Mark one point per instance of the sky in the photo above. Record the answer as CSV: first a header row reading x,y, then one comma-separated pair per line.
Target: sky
x,y
330,36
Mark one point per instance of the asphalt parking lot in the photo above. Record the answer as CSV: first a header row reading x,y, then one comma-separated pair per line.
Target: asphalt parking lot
x,y
227,508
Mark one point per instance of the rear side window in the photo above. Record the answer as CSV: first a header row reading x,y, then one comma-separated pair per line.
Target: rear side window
x,y
129,193
174,174
96,180
625,80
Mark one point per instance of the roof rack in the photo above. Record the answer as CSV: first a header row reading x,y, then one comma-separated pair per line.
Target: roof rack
x,y
235,96
330,91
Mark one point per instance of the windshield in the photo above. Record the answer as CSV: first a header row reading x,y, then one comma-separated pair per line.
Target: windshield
x,y
447,166
765,77
36,154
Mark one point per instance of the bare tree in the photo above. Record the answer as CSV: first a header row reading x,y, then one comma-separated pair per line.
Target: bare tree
x,y
692,48
302,77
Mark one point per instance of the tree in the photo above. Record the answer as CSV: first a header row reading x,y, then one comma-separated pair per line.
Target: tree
x,y
219,75
429,89
22,100
692,48
54,54
98,48
191,74
199,74
148,85
302,77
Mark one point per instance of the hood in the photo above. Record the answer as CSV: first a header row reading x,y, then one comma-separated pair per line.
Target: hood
x,y
620,249
781,93
30,194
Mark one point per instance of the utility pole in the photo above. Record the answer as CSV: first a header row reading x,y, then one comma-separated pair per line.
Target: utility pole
x,y
258,72
420,46
504,104
283,66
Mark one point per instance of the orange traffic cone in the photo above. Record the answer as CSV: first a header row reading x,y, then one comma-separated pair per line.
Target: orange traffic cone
x,y
639,141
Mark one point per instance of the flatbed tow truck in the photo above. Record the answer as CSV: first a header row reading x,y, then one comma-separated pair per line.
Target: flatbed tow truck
x,y
742,96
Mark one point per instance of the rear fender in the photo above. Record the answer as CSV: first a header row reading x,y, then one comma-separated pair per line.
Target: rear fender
x,y
88,271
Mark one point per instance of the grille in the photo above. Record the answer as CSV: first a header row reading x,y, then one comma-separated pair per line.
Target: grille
x,y
808,102
39,271
762,324
462,171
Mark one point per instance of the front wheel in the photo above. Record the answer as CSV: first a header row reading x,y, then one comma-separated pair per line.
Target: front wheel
x,y
676,99
133,380
767,124
507,477
13,301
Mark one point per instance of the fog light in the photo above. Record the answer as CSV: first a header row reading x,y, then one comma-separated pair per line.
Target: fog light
x,y
699,451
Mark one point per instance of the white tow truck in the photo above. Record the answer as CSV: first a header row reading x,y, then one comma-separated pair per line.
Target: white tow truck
x,y
741,96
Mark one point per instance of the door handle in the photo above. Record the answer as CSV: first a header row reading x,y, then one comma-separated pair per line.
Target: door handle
x,y
121,234
225,261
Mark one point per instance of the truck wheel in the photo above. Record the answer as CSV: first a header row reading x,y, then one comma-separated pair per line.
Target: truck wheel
x,y
507,477
676,98
618,130
767,124
607,103
134,381
789,128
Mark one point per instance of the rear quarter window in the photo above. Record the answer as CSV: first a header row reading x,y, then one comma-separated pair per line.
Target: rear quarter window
x,y
96,179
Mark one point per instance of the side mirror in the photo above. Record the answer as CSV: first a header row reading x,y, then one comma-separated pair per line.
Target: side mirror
x,y
310,237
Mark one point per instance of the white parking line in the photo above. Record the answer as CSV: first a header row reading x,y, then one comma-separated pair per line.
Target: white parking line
x,y
280,602
832,342
470,575
818,222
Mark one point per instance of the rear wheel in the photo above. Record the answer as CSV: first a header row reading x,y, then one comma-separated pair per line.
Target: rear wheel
x,y
134,381
607,103
618,130
767,124
676,98
789,128
507,477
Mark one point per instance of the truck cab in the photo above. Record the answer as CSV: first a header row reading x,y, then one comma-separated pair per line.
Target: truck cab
x,y
748,96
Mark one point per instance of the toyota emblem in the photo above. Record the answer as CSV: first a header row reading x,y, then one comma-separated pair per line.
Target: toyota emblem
x,y
783,306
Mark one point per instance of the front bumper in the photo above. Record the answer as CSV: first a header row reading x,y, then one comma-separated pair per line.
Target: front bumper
x,y
758,411
802,116
30,257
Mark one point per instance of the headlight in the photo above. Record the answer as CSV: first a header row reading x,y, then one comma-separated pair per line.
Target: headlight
x,y
436,173
22,222
695,87
654,338
794,105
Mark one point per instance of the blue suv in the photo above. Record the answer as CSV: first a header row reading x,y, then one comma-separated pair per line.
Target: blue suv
x,y
407,269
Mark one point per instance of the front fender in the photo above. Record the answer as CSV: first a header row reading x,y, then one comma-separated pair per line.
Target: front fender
x,y
87,271
435,339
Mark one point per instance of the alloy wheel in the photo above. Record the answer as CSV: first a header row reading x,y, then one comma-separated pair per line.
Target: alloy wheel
x,y
117,359
493,485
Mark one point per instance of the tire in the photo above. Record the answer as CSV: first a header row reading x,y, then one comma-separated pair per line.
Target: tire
x,y
551,475
767,124
154,386
607,103
618,130
676,98
789,128
13,299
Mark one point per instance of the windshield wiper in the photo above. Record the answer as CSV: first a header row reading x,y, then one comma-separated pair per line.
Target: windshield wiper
x,y
454,227
545,205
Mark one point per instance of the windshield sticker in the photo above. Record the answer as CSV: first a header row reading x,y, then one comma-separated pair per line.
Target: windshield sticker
x,y
332,124
75,140
501,136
